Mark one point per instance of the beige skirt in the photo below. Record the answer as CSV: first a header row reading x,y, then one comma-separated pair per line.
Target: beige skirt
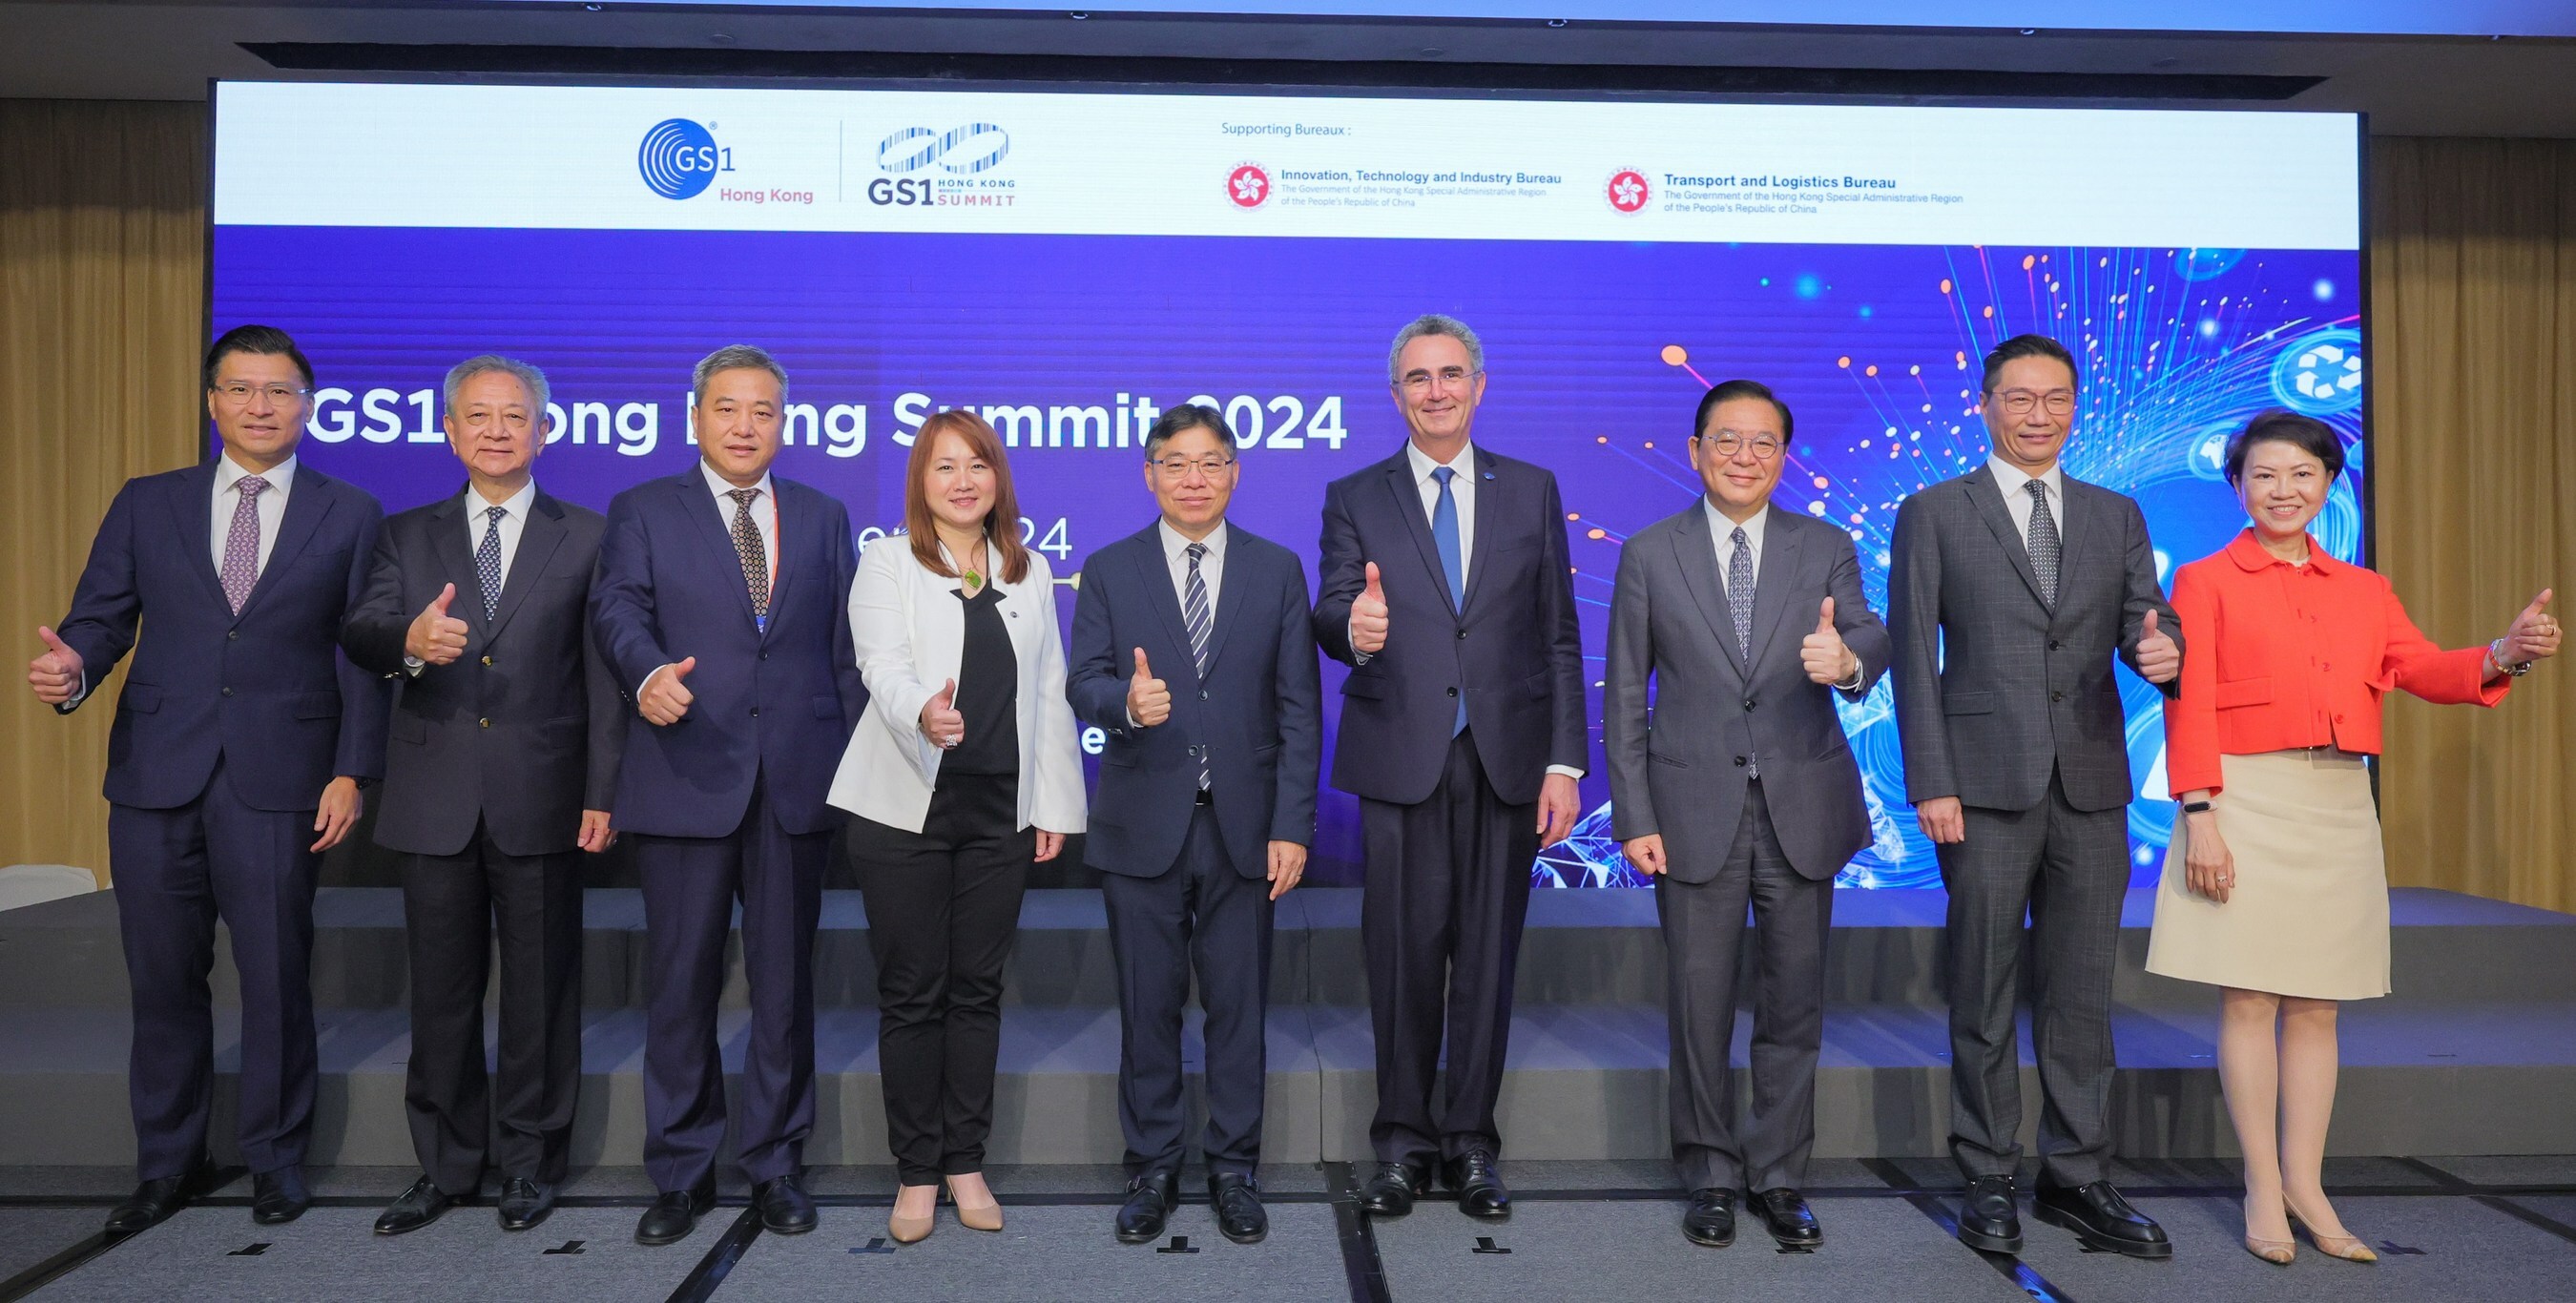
x,y
2308,915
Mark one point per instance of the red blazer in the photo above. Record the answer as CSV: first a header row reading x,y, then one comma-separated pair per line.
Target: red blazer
x,y
2284,656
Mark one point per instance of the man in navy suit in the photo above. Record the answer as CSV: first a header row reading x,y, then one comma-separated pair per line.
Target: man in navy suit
x,y
722,605
501,768
241,743
1447,591
1192,652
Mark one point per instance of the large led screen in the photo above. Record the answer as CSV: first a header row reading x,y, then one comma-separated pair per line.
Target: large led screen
x,y
1070,264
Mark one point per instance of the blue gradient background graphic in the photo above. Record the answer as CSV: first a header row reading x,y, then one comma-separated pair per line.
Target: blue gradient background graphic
x,y
1598,353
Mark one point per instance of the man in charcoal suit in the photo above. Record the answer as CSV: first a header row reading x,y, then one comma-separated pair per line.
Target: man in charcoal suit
x,y
498,775
1740,786
2010,591
1192,650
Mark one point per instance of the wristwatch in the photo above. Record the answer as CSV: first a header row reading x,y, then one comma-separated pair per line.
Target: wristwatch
x,y
2495,653
2195,807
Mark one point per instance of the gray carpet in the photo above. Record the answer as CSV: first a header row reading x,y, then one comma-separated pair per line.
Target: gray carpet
x,y
330,1253
30,1235
1047,1254
2533,1169
1875,1248
2469,1251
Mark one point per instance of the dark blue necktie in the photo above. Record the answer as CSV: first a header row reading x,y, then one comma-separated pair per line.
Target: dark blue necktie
x,y
1453,559
1201,621
487,560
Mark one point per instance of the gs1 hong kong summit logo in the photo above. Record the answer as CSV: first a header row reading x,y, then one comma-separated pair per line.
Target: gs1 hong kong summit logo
x,y
679,159
1627,190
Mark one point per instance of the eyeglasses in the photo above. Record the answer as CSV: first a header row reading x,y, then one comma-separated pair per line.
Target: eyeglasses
x,y
1727,443
1179,468
2018,402
238,393
1447,377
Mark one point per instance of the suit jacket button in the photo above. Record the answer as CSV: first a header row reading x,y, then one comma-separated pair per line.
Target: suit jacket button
x,y
1748,703
1462,635
1202,694
2052,644
1739,762
764,656
231,635
484,722
2057,696
1452,692
487,660
755,712
228,692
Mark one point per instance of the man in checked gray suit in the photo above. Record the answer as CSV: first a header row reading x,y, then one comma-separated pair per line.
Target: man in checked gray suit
x,y
2009,591
1740,787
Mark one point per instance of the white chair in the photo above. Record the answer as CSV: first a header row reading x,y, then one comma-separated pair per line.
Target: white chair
x,y
34,884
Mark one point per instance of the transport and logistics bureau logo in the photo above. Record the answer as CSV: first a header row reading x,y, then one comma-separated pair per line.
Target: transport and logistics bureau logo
x,y
679,158
958,159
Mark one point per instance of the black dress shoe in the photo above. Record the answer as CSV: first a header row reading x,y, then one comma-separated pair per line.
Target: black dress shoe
x,y
674,1214
156,1199
1988,1217
279,1197
525,1201
2101,1219
1710,1221
1480,1189
414,1208
785,1208
1150,1200
1238,1207
1391,1190
1785,1213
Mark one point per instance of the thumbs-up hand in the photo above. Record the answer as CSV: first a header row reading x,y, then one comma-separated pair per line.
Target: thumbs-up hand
x,y
2534,635
2159,660
1368,616
1149,699
56,675
436,637
940,721
1826,659
665,699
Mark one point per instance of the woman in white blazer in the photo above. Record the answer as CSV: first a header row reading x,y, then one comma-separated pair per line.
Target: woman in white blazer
x,y
963,772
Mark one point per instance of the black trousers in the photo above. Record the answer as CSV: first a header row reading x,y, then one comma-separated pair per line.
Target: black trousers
x,y
1703,925
690,886
943,911
1441,907
1198,914
454,906
177,871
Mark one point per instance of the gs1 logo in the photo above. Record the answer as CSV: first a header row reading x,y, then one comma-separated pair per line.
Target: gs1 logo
x,y
907,193
680,158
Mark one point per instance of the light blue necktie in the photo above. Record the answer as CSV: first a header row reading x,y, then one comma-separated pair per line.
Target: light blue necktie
x,y
1444,532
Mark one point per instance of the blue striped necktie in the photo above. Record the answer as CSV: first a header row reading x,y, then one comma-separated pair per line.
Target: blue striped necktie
x,y
1195,613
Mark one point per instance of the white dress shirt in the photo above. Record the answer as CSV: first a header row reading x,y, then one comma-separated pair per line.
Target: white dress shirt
x,y
1176,554
764,517
272,506
2010,481
478,520
1721,533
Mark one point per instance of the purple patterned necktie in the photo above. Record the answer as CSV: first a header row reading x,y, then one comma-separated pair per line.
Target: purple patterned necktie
x,y
241,545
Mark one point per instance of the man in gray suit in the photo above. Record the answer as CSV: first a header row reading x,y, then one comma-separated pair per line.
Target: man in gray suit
x,y
2009,591
1740,785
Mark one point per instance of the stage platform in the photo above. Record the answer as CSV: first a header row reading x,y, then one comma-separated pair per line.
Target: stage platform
x,y
2474,1054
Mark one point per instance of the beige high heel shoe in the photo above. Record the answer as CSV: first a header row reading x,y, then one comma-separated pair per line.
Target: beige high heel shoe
x,y
912,1230
977,1217
2347,1247
2279,1253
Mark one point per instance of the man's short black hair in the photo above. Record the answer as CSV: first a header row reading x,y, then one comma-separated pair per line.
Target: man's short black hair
x,y
1728,391
2020,346
1187,416
2305,433
267,340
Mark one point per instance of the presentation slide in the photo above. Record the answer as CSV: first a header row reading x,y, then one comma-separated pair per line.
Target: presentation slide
x,y
1069,265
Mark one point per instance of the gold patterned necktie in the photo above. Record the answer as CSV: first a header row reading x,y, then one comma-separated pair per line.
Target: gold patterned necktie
x,y
754,557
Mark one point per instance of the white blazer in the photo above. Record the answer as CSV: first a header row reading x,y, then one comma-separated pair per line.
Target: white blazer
x,y
910,633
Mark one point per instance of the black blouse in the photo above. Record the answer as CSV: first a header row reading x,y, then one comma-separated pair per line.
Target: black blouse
x,y
988,691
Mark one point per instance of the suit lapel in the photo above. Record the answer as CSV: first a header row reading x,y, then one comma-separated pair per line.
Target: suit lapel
x,y
195,518
1154,574
1989,500
1408,507
698,503
448,532
304,511
539,536
1229,598
2074,524
782,576
1771,584
1486,511
1697,556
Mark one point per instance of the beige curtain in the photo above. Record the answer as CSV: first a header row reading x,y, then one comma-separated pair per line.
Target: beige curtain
x,y
2473,381
102,310
2473,376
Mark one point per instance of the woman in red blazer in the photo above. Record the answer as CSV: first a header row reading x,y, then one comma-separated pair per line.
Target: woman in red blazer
x,y
2275,890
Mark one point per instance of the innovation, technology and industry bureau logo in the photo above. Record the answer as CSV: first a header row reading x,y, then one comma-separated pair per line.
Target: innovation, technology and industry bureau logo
x,y
963,153
679,158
